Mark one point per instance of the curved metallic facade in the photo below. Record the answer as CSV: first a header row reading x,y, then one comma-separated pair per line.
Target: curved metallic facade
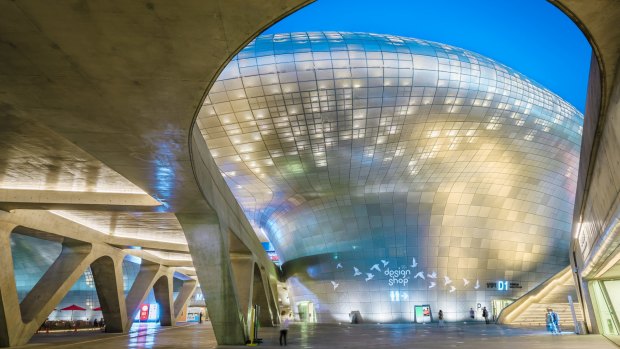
x,y
390,172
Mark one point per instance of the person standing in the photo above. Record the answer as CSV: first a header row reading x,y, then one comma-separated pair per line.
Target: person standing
x,y
200,318
472,313
440,316
284,323
485,315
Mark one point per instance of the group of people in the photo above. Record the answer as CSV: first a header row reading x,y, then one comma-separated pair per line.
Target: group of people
x,y
553,322
472,315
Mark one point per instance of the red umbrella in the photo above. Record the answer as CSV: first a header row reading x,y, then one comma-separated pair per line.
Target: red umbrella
x,y
73,307
97,309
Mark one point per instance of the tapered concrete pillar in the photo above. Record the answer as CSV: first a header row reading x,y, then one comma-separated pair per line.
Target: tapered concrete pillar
x,y
163,296
209,248
187,290
10,314
146,278
273,301
108,277
260,297
19,321
242,265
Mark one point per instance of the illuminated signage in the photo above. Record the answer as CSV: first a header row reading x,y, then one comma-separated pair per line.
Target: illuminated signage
x,y
397,276
148,312
144,312
503,285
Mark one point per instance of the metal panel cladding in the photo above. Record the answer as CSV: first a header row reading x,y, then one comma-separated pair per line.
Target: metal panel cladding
x,y
391,171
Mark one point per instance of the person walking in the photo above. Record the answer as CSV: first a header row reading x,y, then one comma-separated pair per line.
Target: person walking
x,y
440,316
472,314
555,319
549,321
485,315
284,323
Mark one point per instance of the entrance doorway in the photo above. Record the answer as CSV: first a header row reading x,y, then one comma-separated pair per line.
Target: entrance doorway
x,y
306,311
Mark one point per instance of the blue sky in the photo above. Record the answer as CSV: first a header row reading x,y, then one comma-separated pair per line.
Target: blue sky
x,y
531,36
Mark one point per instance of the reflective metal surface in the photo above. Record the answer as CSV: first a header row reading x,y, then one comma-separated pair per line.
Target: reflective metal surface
x,y
368,160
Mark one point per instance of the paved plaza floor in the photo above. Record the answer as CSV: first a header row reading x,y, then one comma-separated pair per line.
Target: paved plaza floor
x,y
387,336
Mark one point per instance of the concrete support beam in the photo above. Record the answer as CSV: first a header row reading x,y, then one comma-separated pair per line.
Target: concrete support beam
x,y
19,322
187,290
163,296
108,277
9,303
260,297
209,248
146,278
242,273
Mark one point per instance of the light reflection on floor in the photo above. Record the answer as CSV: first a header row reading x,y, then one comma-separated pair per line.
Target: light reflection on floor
x,y
142,335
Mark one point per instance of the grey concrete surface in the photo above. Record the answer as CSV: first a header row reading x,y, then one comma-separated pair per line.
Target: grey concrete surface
x,y
464,336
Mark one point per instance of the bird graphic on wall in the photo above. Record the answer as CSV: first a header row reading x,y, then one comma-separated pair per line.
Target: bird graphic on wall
x,y
339,266
433,275
356,272
477,284
465,282
413,263
452,289
375,267
385,263
432,285
419,275
335,284
369,276
446,280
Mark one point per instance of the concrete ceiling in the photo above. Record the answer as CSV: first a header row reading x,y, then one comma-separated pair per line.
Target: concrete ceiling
x,y
97,100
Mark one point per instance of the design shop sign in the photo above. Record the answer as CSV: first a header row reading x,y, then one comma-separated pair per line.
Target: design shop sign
x,y
398,277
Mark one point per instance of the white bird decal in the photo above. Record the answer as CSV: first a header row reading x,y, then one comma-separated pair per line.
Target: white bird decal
x,y
432,285
432,276
370,276
465,282
447,280
477,284
335,284
404,296
356,272
413,263
339,266
385,263
419,275
452,289
375,267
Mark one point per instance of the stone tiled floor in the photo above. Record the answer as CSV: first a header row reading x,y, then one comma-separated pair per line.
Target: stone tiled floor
x,y
337,336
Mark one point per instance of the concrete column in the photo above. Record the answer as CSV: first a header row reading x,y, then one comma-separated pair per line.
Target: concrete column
x,y
187,290
273,301
259,296
149,273
108,277
242,272
10,314
163,296
209,248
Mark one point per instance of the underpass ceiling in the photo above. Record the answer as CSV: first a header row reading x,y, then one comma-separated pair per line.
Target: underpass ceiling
x,y
153,226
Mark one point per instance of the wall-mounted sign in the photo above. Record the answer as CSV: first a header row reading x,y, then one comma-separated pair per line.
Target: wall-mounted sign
x,y
399,277
503,285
